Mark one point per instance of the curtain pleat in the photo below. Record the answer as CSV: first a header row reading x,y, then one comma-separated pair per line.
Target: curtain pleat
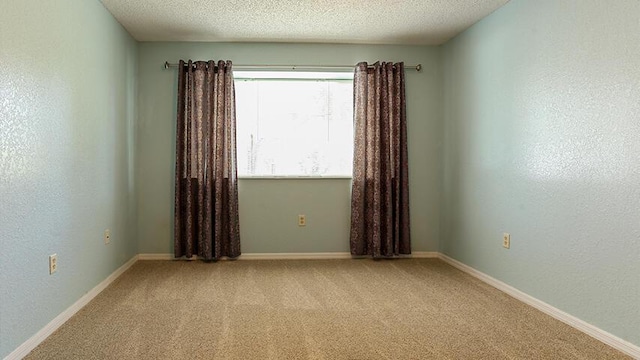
x,y
206,187
380,185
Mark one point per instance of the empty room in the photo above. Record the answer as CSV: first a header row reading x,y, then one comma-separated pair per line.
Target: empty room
x,y
423,179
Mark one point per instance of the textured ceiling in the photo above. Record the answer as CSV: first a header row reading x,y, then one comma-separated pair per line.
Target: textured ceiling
x,y
427,22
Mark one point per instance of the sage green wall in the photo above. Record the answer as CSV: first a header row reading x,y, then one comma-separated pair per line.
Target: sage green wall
x,y
542,134
67,92
269,208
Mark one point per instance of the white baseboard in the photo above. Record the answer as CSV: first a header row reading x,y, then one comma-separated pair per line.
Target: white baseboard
x,y
26,347
593,331
291,256
425,254
295,256
155,256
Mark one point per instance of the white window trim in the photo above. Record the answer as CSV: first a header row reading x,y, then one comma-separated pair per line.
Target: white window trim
x,y
293,75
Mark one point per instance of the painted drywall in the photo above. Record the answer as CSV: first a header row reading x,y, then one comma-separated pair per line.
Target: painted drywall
x,y
542,140
269,208
67,93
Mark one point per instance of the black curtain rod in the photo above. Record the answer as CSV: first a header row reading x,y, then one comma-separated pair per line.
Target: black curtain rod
x,y
298,67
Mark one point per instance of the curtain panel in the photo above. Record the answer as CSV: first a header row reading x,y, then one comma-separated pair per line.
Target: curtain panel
x,y
206,181
380,185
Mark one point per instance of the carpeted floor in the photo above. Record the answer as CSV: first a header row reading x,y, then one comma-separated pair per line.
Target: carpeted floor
x,y
311,309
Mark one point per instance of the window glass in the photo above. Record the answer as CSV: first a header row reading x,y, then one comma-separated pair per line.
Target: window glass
x,y
293,124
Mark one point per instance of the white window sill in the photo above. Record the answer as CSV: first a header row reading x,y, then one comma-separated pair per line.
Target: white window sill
x,y
292,177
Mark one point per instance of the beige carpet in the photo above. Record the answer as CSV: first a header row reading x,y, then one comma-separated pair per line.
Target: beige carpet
x,y
313,309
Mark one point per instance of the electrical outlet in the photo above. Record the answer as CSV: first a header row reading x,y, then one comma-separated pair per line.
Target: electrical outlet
x,y
107,236
506,240
302,220
53,263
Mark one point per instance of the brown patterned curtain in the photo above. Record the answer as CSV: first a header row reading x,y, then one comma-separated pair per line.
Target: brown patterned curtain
x,y
380,187
206,192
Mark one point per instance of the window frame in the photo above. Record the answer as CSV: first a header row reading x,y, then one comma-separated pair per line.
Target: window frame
x,y
293,75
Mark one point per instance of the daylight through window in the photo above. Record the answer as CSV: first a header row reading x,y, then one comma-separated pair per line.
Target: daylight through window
x,y
300,126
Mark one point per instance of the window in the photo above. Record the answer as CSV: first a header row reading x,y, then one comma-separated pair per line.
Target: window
x,y
294,124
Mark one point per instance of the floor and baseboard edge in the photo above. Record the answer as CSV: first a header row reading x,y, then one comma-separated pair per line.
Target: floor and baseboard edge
x,y
593,331
156,256
425,254
295,256
26,347
291,256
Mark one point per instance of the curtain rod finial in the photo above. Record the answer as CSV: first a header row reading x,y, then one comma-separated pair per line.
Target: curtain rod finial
x,y
419,67
166,65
